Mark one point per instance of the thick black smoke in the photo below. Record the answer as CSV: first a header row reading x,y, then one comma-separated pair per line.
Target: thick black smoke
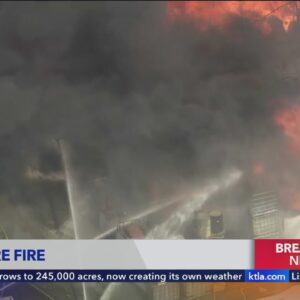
x,y
144,103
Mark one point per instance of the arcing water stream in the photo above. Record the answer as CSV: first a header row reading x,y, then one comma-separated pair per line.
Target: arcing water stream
x,y
70,190
171,227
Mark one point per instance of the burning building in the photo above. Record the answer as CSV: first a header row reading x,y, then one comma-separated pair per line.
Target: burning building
x,y
164,94
267,219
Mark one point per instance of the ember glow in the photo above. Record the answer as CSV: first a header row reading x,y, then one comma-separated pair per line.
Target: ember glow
x,y
217,13
289,121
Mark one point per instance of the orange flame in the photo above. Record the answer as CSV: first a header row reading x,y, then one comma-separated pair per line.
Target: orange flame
x,y
217,13
289,121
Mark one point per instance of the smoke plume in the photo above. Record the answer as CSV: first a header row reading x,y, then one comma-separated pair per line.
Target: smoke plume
x,y
148,105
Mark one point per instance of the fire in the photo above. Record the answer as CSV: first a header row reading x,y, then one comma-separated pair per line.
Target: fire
x,y
289,121
217,13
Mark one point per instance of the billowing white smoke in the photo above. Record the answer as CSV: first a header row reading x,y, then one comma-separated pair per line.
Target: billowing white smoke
x,y
171,228
291,227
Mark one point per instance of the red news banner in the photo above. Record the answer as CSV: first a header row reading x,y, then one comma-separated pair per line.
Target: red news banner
x,y
277,254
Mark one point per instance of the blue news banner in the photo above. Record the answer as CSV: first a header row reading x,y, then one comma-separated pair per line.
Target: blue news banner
x,y
148,276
